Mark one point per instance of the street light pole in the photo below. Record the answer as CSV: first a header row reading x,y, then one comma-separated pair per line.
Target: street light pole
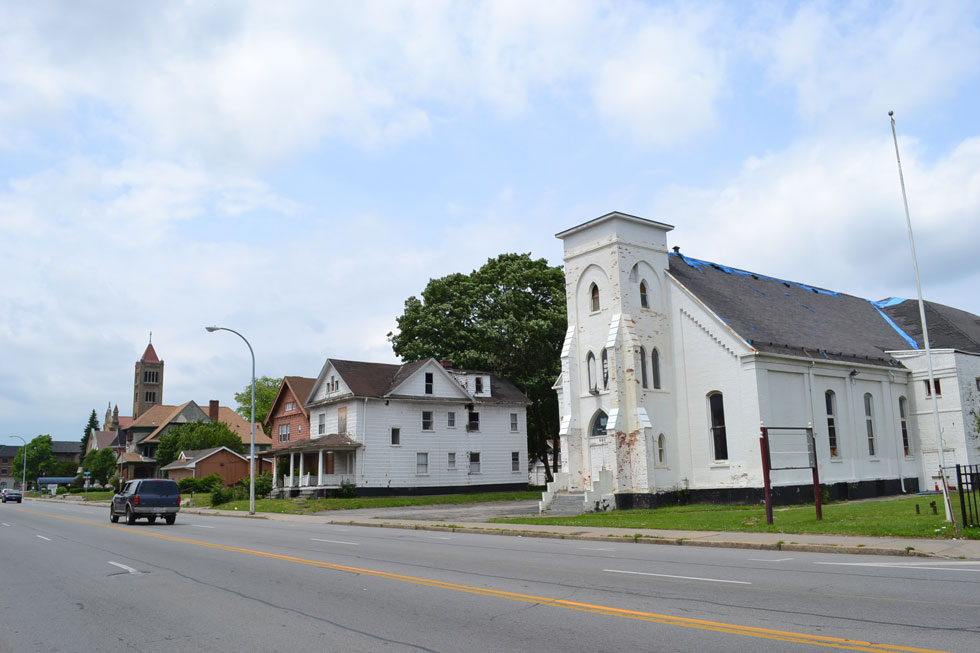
x,y
251,459
23,467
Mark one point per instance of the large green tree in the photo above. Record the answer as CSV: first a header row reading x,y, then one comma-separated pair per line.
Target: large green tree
x,y
266,389
91,427
40,459
507,318
100,464
197,435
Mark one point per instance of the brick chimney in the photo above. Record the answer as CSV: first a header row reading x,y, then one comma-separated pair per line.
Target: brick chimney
x,y
213,410
446,364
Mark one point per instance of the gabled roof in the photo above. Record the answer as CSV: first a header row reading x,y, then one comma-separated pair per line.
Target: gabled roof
x,y
299,387
240,426
160,419
784,317
188,459
66,447
949,328
369,379
103,439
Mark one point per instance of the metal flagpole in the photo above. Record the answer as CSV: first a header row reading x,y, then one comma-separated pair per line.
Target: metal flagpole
x,y
925,330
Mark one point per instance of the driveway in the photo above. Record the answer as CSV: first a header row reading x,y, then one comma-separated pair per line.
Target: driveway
x,y
470,512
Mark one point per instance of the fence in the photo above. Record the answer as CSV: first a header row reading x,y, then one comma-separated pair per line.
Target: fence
x,y
968,482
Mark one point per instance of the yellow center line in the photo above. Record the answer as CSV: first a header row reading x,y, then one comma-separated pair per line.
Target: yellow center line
x,y
716,626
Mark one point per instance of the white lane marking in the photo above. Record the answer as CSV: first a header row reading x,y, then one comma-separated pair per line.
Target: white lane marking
x,y
941,566
6,524
595,548
710,580
201,526
437,537
122,566
335,541
46,539
769,559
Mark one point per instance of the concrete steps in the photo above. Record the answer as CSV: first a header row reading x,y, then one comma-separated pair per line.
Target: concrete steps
x,y
567,504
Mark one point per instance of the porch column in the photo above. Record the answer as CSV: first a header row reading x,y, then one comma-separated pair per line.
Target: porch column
x,y
319,467
275,476
302,459
292,464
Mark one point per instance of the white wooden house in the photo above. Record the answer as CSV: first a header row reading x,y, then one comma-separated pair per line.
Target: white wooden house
x,y
421,427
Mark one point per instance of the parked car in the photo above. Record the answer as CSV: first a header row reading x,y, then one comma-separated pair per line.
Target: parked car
x,y
9,494
146,497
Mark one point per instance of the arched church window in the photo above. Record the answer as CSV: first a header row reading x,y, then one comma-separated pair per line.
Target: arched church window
x,y
599,423
590,366
719,438
643,367
605,370
903,411
595,297
655,367
644,302
661,449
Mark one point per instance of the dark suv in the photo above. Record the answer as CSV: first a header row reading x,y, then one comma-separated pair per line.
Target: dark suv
x,y
146,497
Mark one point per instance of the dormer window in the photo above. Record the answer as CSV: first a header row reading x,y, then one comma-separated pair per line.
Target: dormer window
x,y
479,384
643,295
595,298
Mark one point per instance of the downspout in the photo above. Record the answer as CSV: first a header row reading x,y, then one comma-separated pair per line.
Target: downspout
x,y
365,438
899,450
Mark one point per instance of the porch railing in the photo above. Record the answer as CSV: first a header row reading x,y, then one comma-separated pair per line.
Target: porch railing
x,y
968,482
312,480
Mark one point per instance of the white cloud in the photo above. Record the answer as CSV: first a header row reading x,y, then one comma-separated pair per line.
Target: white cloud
x,y
664,85
831,214
861,59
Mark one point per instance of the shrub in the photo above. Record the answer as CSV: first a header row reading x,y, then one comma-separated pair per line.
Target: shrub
x,y
263,484
188,484
221,495
347,490
210,483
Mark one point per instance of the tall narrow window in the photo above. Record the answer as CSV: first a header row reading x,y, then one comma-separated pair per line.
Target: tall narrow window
x,y
515,461
396,436
428,383
513,422
595,297
869,422
451,419
342,420
474,462
421,463
284,432
903,411
643,295
605,370
474,421
719,438
590,366
936,385
655,366
643,367
478,384
599,423
321,426
831,401
661,448
427,422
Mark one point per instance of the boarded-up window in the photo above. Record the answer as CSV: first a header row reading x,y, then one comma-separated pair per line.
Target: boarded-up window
x,y
342,420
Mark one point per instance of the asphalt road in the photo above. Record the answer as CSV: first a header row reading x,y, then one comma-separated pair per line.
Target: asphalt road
x,y
73,582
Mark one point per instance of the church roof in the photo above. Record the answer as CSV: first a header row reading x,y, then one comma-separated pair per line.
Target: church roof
x,y
785,317
150,355
949,328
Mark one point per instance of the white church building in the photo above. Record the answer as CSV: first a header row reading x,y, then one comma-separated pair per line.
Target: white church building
x,y
671,365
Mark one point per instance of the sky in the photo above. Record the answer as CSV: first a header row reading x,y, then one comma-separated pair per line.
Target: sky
x,y
296,170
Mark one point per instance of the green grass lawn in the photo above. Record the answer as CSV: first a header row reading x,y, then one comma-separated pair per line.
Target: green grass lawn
x,y
883,518
310,506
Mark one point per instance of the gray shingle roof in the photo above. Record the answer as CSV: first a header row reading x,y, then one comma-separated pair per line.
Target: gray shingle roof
x,y
785,317
949,328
